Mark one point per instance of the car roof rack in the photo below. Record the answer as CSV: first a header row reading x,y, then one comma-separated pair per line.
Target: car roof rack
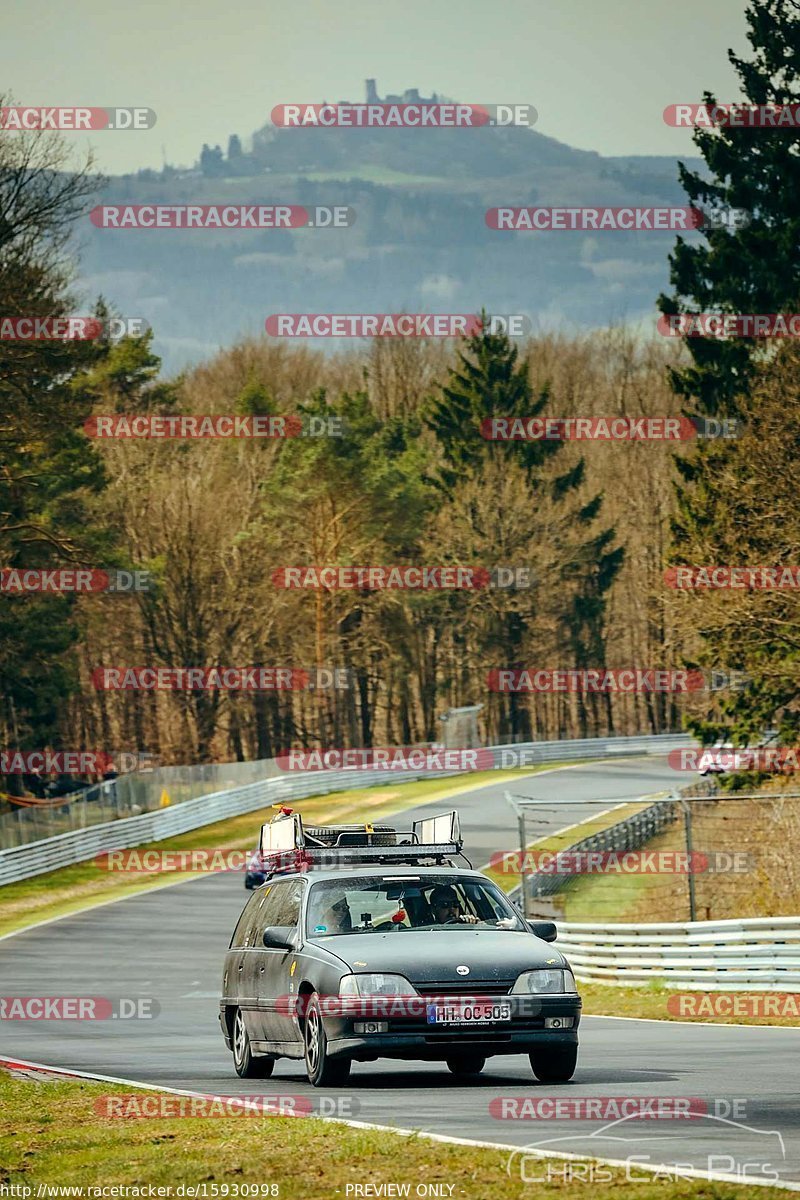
x,y
285,846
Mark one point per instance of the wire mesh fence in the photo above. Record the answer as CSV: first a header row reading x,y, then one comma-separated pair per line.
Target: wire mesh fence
x,y
127,796
681,857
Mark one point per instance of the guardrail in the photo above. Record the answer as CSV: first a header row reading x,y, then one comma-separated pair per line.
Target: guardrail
x,y
758,953
142,791
38,856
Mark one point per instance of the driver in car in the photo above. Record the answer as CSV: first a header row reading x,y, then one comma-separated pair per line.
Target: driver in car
x,y
444,907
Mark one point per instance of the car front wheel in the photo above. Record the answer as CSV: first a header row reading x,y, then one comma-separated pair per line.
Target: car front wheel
x,y
321,1069
246,1064
552,1065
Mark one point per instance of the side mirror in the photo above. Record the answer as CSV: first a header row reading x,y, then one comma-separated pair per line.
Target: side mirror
x,y
545,930
279,937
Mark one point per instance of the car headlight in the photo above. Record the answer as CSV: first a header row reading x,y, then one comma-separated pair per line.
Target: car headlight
x,y
376,985
545,981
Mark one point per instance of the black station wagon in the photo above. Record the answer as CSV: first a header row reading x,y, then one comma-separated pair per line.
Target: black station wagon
x,y
363,945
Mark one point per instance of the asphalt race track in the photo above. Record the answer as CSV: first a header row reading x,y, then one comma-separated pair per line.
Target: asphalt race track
x,y
169,945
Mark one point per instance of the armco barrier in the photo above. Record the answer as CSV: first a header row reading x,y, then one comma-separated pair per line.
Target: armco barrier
x,y
141,791
758,953
64,849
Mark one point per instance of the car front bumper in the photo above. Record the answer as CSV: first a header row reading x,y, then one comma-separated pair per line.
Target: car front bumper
x,y
375,1033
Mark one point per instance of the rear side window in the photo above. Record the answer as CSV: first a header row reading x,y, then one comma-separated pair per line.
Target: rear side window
x,y
273,904
285,909
245,920
261,915
282,906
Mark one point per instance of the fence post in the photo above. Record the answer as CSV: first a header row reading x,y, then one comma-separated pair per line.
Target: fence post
x,y
687,826
522,848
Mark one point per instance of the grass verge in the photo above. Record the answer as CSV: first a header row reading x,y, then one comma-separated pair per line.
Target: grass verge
x,y
51,1134
84,885
652,1001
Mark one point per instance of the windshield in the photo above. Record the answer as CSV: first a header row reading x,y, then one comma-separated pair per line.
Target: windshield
x,y
365,904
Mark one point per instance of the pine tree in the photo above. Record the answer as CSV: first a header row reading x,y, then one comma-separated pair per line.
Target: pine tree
x,y
756,268
50,473
489,382
492,380
749,269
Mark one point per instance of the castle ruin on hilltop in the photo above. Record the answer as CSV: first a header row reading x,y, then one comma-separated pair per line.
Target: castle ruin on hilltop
x,y
409,96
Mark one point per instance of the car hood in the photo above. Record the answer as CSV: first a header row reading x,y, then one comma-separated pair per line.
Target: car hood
x,y
433,955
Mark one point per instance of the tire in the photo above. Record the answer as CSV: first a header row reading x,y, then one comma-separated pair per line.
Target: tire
x,y
322,1071
554,1066
384,835
245,1063
466,1065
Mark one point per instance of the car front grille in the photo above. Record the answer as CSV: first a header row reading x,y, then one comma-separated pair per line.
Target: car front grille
x,y
464,987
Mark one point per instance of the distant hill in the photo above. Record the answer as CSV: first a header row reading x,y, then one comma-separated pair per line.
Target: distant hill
x,y
419,243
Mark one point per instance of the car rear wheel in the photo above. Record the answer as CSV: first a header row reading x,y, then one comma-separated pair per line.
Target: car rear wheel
x,y
466,1064
554,1065
245,1063
321,1069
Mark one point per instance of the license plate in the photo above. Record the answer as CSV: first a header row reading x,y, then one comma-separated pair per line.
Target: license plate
x,y
483,1012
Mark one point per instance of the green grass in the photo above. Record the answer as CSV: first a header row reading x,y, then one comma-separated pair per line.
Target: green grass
x,y
620,897
73,889
766,889
51,1133
652,1001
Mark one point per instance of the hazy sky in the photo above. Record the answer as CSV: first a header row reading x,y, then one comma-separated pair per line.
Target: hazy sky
x,y
600,72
